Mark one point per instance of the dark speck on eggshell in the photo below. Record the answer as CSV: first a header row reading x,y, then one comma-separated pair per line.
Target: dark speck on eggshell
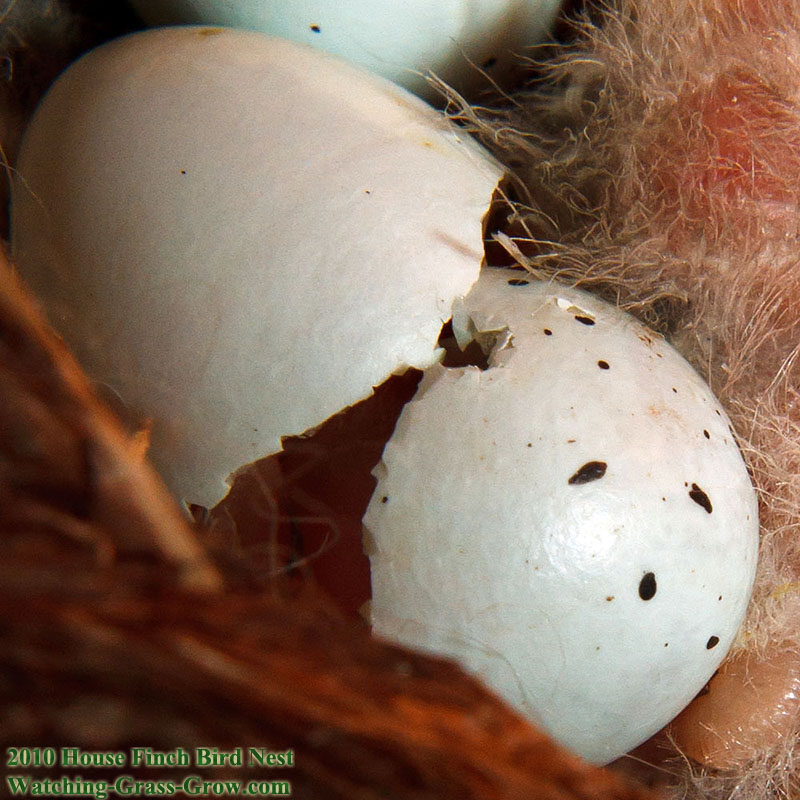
x,y
315,28
584,320
603,364
647,586
590,471
712,642
701,498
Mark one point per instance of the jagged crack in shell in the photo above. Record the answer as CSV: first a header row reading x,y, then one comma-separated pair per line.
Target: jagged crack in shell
x,y
526,516
235,270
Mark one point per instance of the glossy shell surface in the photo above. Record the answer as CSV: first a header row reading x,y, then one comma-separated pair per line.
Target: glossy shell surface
x,y
575,523
456,39
240,236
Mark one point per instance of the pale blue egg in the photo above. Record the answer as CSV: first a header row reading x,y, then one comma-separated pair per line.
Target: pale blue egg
x,y
464,42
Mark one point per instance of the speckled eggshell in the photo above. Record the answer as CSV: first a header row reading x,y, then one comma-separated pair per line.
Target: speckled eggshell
x,y
575,523
399,40
241,236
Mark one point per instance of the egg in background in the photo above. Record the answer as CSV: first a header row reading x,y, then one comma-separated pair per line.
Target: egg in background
x,y
460,42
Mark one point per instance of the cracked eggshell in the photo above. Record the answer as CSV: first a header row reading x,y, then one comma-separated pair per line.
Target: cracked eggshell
x,y
242,236
400,41
575,523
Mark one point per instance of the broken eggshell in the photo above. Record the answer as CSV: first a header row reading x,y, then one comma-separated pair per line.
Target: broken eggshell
x,y
575,524
241,236
458,40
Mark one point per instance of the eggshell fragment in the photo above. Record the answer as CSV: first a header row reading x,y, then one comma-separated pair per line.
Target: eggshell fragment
x,y
455,39
575,523
242,236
